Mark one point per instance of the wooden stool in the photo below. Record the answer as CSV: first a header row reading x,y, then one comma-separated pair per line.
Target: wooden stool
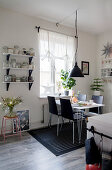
x,y
3,129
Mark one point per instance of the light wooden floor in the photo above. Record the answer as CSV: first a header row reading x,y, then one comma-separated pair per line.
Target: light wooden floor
x,y
28,154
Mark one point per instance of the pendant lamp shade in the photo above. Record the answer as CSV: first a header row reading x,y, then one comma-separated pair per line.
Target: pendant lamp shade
x,y
76,71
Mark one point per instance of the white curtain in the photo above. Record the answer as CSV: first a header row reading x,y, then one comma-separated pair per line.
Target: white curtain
x,y
55,45
56,53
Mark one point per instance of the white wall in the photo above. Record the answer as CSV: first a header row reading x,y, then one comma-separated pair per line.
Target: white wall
x,y
18,29
101,41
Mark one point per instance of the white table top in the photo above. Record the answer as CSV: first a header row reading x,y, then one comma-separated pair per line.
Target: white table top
x,y
75,106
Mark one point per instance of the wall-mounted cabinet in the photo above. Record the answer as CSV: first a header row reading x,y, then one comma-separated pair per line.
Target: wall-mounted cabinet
x,y
17,63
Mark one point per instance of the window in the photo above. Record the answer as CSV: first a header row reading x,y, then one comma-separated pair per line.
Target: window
x,y
56,53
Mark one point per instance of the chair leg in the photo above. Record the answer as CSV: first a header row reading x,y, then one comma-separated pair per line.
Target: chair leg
x,y
58,127
73,132
81,121
50,119
62,123
79,127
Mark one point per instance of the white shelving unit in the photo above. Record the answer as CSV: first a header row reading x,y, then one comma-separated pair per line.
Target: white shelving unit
x,y
106,70
30,70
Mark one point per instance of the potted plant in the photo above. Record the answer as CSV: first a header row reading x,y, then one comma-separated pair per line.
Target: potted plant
x,y
96,86
67,82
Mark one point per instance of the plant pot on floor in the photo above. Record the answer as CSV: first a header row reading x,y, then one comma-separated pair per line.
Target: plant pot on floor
x,y
66,92
97,93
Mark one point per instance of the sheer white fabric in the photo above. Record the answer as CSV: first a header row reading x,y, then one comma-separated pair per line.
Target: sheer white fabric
x,y
56,53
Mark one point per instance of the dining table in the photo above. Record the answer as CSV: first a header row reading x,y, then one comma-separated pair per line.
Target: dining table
x,y
83,106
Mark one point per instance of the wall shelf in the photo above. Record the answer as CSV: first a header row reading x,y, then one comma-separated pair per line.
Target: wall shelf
x,y
30,70
12,68
107,77
107,59
17,55
8,84
106,68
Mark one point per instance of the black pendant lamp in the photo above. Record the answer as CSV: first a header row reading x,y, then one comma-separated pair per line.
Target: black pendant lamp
x,y
76,71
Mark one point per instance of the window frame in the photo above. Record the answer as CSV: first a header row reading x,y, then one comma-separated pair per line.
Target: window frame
x,y
53,72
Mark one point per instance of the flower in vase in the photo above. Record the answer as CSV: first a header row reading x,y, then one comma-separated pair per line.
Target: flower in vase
x,y
9,103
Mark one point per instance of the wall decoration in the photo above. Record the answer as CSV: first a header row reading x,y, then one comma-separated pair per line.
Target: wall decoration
x,y
85,67
107,51
24,120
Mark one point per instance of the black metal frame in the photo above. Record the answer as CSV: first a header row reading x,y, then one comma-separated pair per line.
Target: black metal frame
x,y
82,67
92,130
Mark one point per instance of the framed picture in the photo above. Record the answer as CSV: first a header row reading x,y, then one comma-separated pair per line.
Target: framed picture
x,y
85,67
24,120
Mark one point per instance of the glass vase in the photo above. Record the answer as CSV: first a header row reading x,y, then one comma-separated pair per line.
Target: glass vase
x,y
10,112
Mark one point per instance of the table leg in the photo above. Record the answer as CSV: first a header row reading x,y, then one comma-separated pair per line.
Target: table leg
x,y
73,132
79,126
98,110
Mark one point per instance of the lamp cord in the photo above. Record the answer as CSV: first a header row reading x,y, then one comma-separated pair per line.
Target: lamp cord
x,y
76,36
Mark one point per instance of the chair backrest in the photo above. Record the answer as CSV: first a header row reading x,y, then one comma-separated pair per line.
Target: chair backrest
x,y
97,99
52,105
82,97
66,109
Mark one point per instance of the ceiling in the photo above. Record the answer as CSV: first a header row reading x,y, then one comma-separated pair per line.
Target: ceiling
x,y
94,16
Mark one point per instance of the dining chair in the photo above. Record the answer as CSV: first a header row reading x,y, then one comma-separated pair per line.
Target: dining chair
x,y
82,97
67,112
96,110
53,110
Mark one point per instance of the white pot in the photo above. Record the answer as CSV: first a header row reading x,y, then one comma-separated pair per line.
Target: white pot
x,y
97,93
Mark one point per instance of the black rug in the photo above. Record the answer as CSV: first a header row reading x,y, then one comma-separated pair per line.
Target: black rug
x,y
61,144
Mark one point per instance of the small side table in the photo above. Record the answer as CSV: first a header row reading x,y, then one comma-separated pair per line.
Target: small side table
x,y
3,129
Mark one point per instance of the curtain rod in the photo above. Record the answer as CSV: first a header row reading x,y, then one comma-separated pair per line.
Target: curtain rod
x,y
38,28
92,130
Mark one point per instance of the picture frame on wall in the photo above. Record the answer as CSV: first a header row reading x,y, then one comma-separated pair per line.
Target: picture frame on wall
x,y
85,67
24,120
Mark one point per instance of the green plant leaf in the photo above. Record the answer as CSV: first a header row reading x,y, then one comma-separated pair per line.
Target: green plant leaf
x,y
97,85
67,82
